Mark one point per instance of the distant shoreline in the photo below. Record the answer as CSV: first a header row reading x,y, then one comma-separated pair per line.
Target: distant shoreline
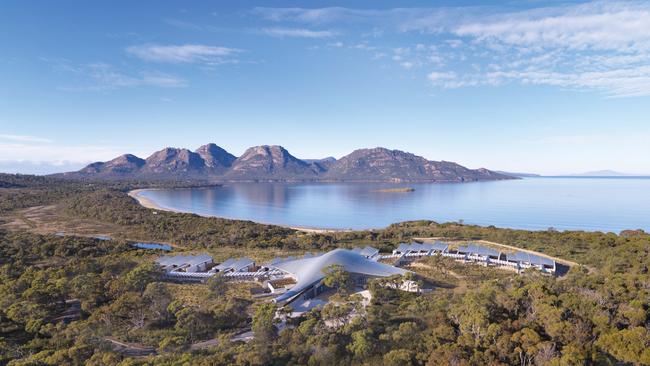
x,y
395,190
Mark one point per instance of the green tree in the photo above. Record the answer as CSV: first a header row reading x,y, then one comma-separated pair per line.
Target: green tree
x,y
264,322
362,344
194,324
172,344
138,278
398,357
337,313
157,297
628,345
337,277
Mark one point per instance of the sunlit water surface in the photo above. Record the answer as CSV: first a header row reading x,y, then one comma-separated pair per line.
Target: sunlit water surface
x,y
605,204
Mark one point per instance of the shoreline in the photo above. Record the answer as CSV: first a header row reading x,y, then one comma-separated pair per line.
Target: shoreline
x,y
146,202
150,204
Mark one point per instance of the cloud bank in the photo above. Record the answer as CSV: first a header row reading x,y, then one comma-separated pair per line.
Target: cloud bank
x,y
598,46
186,53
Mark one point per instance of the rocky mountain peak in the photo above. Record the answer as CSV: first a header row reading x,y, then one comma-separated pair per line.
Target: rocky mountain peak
x,y
215,157
262,162
123,164
173,160
275,163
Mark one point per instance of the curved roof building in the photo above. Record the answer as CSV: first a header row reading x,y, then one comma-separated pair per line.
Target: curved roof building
x,y
309,271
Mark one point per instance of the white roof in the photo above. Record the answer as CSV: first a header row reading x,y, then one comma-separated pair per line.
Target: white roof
x,y
234,264
368,251
403,248
308,271
530,258
479,250
439,246
225,264
180,260
242,263
424,247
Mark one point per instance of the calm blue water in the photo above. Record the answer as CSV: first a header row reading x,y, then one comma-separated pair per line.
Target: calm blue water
x,y
605,204
164,247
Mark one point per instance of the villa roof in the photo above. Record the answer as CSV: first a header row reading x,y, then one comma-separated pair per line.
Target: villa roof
x,y
234,264
439,246
368,251
403,248
530,258
242,263
479,250
424,247
225,264
181,260
308,271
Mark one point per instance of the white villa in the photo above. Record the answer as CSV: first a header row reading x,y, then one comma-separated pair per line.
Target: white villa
x,y
292,277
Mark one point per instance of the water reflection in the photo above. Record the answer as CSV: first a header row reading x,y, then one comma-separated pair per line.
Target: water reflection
x,y
589,204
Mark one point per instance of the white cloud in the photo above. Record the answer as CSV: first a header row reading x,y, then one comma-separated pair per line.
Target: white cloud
x,y
599,24
446,80
38,167
601,46
441,76
321,15
633,81
299,32
24,138
187,53
620,26
103,77
56,154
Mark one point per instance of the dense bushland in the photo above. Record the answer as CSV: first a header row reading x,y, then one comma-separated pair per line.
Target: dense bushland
x,y
63,299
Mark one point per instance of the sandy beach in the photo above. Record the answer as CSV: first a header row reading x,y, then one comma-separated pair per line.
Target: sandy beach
x,y
145,202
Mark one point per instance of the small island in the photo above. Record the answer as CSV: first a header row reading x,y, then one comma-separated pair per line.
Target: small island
x,y
396,190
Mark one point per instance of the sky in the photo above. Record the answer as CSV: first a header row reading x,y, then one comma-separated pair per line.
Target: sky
x,y
546,87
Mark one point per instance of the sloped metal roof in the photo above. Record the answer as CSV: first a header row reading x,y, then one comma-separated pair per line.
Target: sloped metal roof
x,y
403,248
308,271
242,263
180,260
235,264
424,247
530,258
225,264
439,246
479,250
368,251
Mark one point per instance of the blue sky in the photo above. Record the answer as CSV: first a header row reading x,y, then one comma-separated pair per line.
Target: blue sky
x,y
548,87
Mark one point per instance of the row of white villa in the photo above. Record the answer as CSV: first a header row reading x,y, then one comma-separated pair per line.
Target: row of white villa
x,y
518,260
291,277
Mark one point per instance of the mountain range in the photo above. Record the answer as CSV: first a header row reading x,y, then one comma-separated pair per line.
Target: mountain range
x,y
274,163
602,173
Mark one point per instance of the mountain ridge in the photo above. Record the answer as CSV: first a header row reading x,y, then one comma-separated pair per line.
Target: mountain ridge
x,y
274,163
602,173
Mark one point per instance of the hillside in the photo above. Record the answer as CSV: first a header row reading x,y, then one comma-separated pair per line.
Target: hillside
x,y
380,164
275,163
270,162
